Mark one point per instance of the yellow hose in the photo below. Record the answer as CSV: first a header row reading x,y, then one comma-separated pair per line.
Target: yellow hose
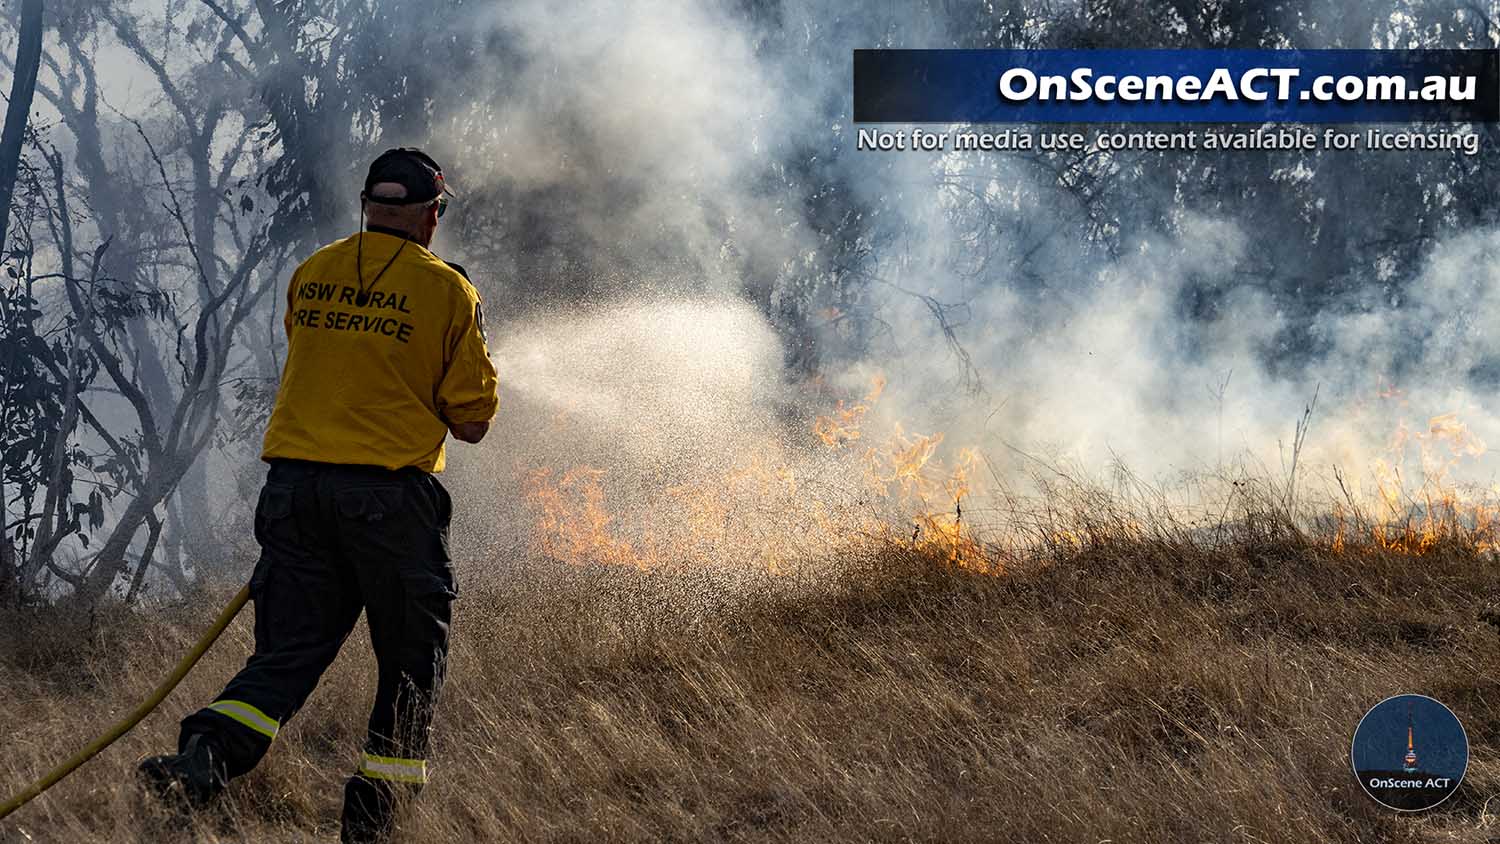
x,y
199,648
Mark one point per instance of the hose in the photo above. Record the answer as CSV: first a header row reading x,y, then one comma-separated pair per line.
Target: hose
x,y
199,648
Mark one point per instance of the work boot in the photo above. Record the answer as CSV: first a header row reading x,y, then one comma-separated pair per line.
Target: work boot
x,y
194,776
368,812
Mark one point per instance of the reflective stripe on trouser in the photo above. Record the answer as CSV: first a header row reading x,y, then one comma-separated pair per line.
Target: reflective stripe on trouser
x,y
393,768
247,715
336,540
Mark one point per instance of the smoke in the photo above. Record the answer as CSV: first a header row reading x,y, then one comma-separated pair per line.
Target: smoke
x,y
632,139
675,158
1100,362
685,264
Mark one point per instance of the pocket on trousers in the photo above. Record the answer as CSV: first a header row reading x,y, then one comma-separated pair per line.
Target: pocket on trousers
x,y
390,521
428,579
275,528
370,504
273,514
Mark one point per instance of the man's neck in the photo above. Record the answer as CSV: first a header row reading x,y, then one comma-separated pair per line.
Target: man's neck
x,y
393,232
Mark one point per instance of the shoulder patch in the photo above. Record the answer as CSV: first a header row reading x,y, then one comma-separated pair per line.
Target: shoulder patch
x,y
479,321
459,268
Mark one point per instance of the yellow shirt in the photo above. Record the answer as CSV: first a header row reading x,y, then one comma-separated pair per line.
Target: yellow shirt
x,y
374,384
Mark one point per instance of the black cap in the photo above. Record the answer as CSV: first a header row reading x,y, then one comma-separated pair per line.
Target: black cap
x,y
412,169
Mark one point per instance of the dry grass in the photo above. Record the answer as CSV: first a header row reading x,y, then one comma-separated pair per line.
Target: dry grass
x,y
1141,689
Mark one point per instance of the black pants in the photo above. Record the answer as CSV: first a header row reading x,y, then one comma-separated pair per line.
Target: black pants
x,y
335,540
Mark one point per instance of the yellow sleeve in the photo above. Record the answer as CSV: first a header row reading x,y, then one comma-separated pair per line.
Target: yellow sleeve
x,y
468,389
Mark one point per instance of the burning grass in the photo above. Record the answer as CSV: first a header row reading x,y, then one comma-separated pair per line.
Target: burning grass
x,y
1131,680
840,483
863,635
771,504
858,633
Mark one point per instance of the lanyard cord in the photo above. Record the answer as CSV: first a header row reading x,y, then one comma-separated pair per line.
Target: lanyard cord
x,y
359,260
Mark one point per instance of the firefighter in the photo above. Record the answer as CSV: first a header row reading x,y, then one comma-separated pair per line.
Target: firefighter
x,y
386,357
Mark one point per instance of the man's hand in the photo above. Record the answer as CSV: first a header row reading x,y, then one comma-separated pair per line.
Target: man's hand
x,y
469,432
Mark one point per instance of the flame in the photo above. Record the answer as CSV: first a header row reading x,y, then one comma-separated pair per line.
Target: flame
x,y
1415,511
762,511
1339,542
842,426
858,483
573,523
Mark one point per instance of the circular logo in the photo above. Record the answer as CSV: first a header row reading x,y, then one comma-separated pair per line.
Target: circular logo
x,y
1409,753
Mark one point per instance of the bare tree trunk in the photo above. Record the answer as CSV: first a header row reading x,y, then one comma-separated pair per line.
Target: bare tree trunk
x,y
111,560
28,60
192,496
9,572
9,575
145,565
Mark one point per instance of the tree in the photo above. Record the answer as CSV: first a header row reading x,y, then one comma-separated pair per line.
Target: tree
x,y
191,213
18,111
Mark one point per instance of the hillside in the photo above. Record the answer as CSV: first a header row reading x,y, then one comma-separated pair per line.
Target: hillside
x,y
1125,691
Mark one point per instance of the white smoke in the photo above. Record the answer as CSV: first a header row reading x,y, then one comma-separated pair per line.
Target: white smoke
x,y
662,123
